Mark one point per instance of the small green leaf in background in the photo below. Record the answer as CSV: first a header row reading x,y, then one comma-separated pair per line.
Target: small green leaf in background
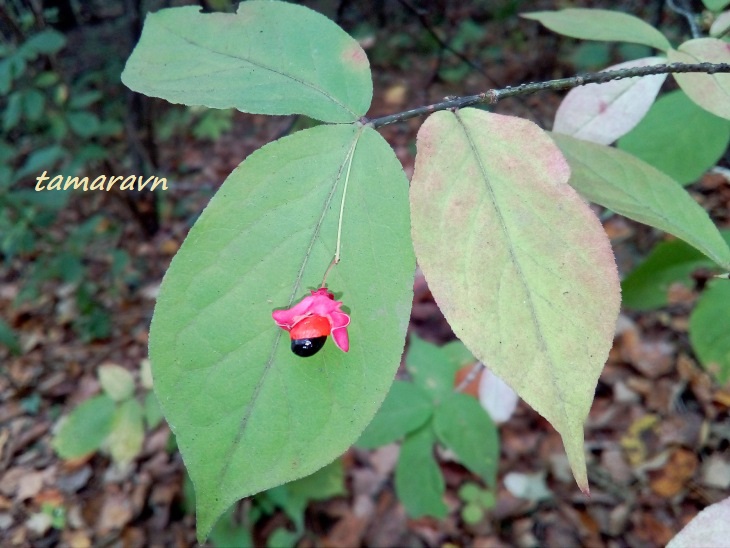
x,y
294,497
431,368
464,427
282,538
406,408
678,138
152,412
710,91
85,428
716,5
116,381
8,337
604,25
458,354
228,533
127,432
517,261
268,58
82,123
418,480
630,187
248,414
647,286
46,42
709,329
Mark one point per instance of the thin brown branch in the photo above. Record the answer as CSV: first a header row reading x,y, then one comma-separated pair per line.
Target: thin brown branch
x,y
493,96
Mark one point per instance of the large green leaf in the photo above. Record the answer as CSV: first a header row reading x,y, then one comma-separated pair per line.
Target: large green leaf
x,y
464,427
418,480
710,91
708,329
517,262
268,58
596,24
405,409
249,414
631,187
678,137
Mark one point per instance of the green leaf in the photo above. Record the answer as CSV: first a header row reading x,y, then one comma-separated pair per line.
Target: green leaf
x,y
33,103
9,338
458,354
518,263
431,368
282,538
13,111
678,137
116,381
47,42
627,185
127,432
708,329
710,91
41,159
268,58
418,480
469,492
647,286
405,409
604,25
463,426
325,483
152,412
248,413
227,533
85,428
716,5
472,514
82,123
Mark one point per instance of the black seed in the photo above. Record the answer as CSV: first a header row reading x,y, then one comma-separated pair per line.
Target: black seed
x,y
307,347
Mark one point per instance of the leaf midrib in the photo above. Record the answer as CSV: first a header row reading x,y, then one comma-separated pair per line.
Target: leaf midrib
x,y
518,267
295,289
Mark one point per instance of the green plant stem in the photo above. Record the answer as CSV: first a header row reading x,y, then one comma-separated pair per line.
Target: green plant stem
x,y
492,96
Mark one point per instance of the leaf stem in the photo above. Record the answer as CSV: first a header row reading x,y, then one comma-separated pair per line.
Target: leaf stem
x,y
493,96
336,259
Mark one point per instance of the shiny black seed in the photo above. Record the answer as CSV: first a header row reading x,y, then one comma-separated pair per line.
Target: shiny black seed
x,y
307,347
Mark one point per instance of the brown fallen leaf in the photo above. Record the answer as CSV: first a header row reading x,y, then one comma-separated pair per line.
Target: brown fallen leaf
x,y
672,478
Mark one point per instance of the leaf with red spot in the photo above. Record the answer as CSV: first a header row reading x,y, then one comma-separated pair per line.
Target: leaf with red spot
x,y
517,262
602,113
267,58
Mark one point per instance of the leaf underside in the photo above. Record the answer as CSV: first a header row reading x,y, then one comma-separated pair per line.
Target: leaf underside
x,y
627,185
519,265
268,58
249,414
